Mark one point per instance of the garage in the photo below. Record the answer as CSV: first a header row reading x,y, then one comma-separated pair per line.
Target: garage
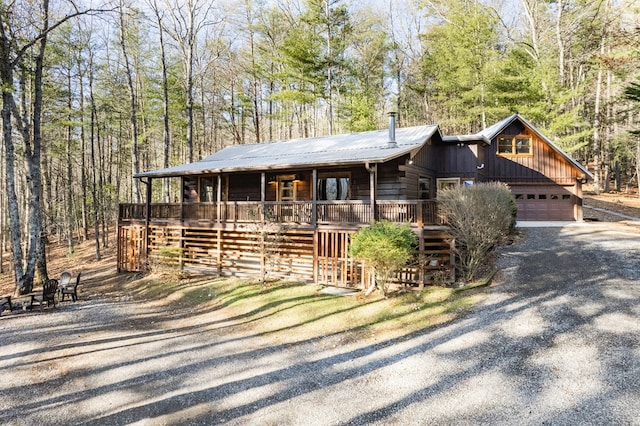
x,y
544,202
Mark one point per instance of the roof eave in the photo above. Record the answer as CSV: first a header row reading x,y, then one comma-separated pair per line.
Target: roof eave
x,y
258,169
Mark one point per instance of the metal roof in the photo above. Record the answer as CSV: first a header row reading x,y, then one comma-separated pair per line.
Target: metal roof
x,y
347,149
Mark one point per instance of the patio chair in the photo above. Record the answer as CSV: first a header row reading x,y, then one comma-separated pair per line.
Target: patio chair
x,y
65,279
71,289
48,296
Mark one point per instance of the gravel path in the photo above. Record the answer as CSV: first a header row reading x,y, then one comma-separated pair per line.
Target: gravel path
x,y
556,341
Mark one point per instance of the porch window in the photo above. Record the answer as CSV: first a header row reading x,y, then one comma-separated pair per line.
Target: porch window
x,y
208,189
514,145
333,187
190,190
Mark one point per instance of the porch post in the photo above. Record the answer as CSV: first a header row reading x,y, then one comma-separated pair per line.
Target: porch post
x,y
182,200
219,199
263,197
373,178
147,219
314,198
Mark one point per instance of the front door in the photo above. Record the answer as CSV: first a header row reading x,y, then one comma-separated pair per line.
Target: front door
x,y
286,195
286,188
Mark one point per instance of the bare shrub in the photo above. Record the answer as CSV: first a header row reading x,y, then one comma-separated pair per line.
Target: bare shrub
x,y
268,235
479,216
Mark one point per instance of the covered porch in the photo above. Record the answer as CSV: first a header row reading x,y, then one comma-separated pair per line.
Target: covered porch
x,y
312,213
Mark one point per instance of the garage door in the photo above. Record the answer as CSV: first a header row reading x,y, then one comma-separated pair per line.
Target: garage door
x,y
544,202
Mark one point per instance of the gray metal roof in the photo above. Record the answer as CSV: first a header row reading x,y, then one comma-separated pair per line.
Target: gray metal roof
x,y
491,132
348,149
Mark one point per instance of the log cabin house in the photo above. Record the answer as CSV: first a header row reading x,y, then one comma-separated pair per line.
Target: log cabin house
x,y
309,195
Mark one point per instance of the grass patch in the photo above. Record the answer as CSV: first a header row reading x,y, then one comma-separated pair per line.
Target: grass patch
x,y
288,312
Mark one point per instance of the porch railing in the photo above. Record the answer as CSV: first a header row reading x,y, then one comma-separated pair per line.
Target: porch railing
x,y
327,212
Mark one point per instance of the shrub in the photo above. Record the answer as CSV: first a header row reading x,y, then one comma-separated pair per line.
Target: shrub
x,y
268,236
385,247
479,216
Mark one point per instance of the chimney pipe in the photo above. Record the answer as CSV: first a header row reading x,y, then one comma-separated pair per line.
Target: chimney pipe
x,y
392,130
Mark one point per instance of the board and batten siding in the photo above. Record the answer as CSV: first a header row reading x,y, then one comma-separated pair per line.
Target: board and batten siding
x,y
544,166
458,160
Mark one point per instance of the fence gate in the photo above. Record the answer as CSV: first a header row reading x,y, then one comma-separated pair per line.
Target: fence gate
x,y
131,245
334,267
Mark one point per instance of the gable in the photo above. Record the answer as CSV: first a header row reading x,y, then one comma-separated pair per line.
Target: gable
x,y
519,154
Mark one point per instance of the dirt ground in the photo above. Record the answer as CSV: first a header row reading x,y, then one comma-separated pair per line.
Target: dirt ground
x,y
627,204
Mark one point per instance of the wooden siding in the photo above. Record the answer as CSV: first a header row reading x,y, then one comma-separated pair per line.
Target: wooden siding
x,y
544,166
320,256
388,185
458,161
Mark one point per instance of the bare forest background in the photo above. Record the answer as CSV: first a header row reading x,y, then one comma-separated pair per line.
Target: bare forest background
x,y
96,92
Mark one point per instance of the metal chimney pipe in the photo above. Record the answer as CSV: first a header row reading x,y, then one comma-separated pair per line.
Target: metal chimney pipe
x,y
392,130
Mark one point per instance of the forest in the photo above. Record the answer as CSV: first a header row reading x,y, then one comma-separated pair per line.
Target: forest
x,y
97,91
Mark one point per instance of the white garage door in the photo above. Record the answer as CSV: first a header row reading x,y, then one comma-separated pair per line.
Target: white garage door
x,y
544,202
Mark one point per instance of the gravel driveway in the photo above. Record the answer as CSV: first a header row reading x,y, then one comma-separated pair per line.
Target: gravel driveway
x,y
556,341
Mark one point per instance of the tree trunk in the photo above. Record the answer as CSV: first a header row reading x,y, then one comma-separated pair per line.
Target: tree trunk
x,y
69,169
37,248
22,287
189,69
83,165
135,155
94,168
166,136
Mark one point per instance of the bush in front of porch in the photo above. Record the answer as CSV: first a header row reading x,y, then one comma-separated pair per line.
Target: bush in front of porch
x,y
385,247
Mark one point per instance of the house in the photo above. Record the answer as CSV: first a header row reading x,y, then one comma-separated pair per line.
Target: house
x,y
317,191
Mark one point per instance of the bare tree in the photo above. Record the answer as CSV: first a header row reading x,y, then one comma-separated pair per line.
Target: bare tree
x,y
135,154
165,100
187,21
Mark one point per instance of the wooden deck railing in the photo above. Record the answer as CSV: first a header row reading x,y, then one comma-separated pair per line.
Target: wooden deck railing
x,y
327,212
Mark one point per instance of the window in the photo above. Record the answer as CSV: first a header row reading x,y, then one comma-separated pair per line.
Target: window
x,y
208,189
447,183
424,188
514,145
333,186
190,190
